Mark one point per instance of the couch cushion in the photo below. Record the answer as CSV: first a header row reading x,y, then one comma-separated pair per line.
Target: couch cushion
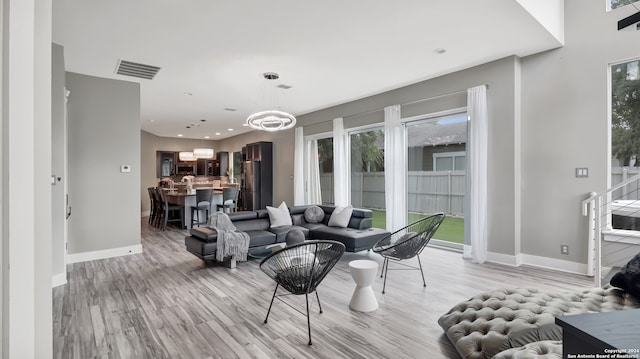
x,y
260,237
252,225
312,226
340,216
279,216
353,239
628,278
242,215
314,214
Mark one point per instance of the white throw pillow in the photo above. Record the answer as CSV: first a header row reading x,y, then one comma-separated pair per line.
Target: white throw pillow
x,y
340,216
279,216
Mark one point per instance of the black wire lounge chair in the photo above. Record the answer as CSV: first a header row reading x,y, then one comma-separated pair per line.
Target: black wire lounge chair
x,y
300,268
407,243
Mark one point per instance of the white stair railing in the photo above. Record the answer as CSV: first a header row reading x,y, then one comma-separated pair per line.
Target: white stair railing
x,y
598,208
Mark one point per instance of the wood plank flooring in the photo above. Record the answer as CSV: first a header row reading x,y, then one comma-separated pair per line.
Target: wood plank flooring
x,y
166,303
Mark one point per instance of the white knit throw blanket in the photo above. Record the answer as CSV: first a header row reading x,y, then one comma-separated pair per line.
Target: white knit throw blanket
x,y
231,242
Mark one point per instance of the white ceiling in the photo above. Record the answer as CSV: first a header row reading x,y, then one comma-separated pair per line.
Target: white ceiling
x,y
330,52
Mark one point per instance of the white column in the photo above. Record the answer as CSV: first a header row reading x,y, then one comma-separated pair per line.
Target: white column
x,y
26,192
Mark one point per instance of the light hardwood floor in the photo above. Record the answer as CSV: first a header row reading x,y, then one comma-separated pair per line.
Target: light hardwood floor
x,y
166,303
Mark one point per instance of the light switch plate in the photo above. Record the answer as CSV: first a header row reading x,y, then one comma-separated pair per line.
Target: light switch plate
x,y
125,168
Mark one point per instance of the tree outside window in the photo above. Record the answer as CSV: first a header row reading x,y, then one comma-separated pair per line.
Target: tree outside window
x,y
625,111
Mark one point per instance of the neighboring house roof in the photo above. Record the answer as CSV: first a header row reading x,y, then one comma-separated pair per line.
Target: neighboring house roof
x,y
438,134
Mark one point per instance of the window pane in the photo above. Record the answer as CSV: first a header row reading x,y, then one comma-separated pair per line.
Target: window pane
x,y
444,163
625,125
436,146
461,163
325,159
367,171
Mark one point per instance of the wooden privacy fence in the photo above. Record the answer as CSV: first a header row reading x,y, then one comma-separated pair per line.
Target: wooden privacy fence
x,y
428,191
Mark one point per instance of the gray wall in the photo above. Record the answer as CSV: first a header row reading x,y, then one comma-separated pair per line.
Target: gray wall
x,y
150,144
104,133
565,125
446,93
58,143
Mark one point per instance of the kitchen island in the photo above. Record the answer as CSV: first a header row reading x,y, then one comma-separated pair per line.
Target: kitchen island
x,y
182,198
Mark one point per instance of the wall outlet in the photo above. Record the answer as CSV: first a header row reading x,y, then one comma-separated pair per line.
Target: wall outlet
x,y
564,249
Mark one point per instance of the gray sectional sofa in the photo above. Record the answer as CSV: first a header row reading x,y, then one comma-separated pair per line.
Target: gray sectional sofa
x,y
357,236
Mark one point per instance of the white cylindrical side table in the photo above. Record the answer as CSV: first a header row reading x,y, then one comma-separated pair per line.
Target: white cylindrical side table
x,y
363,273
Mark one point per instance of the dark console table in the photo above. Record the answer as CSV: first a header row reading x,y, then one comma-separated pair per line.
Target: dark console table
x,y
616,334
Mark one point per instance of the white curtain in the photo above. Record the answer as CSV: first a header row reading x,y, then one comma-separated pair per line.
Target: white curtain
x,y
395,169
477,173
313,195
340,164
298,168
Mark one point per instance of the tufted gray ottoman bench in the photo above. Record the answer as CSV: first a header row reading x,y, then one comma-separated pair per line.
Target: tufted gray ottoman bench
x,y
492,322
547,349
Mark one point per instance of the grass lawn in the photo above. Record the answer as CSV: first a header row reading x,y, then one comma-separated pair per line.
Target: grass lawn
x,y
452,229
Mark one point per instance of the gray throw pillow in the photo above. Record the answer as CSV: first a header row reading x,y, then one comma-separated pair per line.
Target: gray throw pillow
x,y
294,236
313,214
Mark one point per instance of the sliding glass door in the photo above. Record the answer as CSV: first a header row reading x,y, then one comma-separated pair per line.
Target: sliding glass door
x,y
436,153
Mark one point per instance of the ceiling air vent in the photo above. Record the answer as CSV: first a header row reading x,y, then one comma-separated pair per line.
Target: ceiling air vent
x,y
134,69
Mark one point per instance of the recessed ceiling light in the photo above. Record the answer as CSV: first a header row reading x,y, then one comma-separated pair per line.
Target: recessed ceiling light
x,y
230,109
229,129
207,137
179,135
439,51
203,120
217,133
245,124
187,93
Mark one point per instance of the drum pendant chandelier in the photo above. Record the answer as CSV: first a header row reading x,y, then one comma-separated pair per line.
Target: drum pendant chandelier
x,y
271,120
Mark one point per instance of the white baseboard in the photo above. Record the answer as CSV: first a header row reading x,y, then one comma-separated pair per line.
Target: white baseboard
x,y
59,279
102,254
506,259
538,261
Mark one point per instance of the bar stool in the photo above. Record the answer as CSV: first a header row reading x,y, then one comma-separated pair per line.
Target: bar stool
x,y
229,199
203,203
167,208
